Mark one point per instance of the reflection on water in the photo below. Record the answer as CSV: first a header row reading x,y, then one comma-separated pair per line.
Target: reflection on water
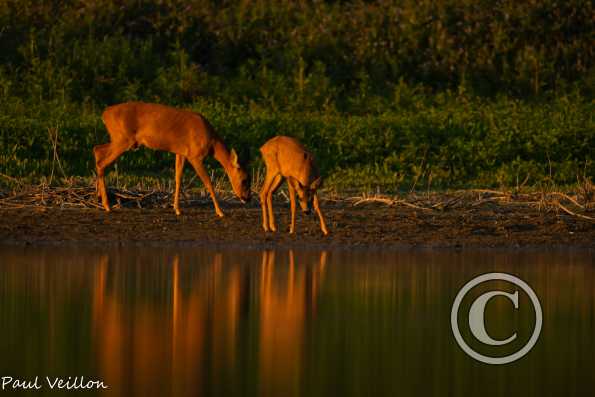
x,y
189,321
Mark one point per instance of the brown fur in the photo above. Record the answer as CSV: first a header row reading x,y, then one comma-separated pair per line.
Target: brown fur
x,y
187,134
286,157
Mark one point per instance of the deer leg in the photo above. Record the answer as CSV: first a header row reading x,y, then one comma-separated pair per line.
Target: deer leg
x,y
264,194
180,160
292,207
104,156
274,185
99,151
317,209
206,180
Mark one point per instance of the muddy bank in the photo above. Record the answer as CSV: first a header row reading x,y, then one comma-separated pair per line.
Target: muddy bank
x,y
366,225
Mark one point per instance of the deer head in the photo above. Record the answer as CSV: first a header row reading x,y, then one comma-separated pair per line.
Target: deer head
x,y
240,181
305,192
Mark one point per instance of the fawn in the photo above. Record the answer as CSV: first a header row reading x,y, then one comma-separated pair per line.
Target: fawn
x,y
286,157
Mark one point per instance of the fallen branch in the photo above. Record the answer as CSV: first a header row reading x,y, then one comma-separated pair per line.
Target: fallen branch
x,y
385,200
567,197
382,200
574,213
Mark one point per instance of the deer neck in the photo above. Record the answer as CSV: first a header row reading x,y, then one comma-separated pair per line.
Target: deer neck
x,y
222,155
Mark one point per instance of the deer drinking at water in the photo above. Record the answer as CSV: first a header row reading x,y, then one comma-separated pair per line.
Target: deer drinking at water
x,y
285,157
187,134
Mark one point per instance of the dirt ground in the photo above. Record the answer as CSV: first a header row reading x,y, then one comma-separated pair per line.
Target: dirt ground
x,y
366,225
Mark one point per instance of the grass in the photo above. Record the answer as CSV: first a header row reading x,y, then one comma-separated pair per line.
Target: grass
x,y
446,143
391,98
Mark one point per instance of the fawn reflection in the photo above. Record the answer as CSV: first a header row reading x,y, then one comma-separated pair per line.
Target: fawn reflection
x,y
189,333
286,295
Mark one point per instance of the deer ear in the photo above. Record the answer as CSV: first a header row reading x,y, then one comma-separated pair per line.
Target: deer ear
x,y
316,184
234,159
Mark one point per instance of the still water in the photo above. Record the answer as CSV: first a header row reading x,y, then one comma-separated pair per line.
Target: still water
x,y
193,321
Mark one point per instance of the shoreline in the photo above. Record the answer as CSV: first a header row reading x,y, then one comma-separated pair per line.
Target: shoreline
x,y
372,226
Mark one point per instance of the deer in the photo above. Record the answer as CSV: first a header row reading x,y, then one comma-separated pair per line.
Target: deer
x,y
286,157
187,134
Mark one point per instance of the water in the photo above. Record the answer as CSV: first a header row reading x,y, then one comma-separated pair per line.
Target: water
x,y
192,321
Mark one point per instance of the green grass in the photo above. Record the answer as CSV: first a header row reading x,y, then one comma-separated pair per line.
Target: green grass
x,y
448,142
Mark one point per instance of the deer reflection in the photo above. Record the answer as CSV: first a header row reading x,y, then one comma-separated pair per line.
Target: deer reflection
x,y
184,337
149,322
285,296
204,323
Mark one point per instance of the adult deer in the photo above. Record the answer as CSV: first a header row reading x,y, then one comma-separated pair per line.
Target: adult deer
x,y
187,134
285,157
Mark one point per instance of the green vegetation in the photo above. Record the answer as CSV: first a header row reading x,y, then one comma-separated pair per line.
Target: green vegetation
x,y
387,94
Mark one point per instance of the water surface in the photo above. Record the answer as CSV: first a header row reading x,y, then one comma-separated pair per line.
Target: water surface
x,y
193,321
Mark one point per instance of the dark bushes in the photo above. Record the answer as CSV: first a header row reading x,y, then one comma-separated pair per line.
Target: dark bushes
x,y
446,92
